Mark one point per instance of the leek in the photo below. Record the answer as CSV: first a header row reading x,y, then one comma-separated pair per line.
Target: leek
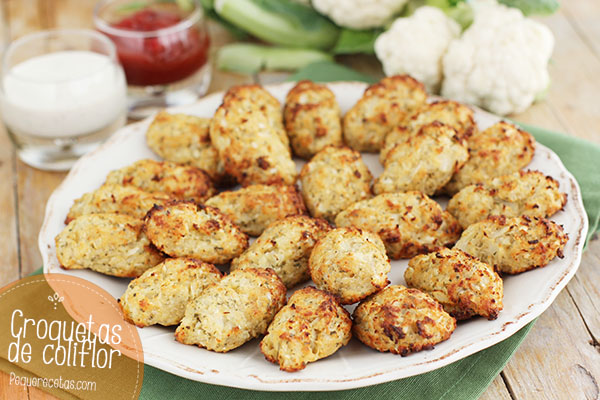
x,y
281,22
252,58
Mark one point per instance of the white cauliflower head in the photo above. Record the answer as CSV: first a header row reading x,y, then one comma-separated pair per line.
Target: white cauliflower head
x,y
415,45
359,14
501,62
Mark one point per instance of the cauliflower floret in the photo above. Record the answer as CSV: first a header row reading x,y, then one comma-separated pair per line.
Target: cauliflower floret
x,y
359,14
500,62
415,46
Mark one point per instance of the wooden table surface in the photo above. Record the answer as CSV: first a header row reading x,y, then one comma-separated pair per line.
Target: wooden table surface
x,y
559,359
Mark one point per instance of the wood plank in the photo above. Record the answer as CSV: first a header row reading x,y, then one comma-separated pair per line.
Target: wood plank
x,y
556,360
496,391
69,13
585,291
541,114
33,188
583,15
9,262
4,27
573,93
11,392
38,394
23,17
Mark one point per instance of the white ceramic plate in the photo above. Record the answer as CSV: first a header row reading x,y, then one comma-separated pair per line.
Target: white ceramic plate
x,y
525,296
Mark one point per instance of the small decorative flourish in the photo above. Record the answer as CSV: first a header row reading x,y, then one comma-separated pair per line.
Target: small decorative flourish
x,y
55,299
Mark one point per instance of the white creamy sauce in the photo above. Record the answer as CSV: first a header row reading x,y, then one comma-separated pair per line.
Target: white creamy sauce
x,y
63,94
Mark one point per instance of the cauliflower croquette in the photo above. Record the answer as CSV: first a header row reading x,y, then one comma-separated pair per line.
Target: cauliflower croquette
x,y
117,199
185,229
461,283
160,295
312,118
310,327
249,143
255,97
409,223
285,247
185,139
254,207
521,193
499,150
402,321
112,244
178,181
350,263
447,112
233,311
425,161
383,106
334,179
514,245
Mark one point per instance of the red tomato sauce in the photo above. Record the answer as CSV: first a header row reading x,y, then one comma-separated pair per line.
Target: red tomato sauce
x,y
162,59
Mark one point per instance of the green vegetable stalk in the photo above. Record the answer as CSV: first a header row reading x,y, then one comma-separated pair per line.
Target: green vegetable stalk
x,y
533,7
528,7
280,22
252,58
353,41
461,11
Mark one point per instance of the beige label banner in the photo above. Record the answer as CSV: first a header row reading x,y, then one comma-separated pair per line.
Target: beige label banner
x,y
67,336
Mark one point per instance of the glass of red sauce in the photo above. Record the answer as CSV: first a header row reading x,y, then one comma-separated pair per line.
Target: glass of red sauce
x,y
163,46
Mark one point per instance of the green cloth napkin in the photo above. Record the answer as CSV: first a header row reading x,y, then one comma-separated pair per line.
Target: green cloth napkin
x,y
465,379
462,380
582,159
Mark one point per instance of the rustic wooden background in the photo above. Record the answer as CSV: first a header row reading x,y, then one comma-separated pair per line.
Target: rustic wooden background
x,y
560,359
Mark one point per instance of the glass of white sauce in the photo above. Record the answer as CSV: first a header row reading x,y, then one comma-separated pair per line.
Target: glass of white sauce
x,y
62,92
